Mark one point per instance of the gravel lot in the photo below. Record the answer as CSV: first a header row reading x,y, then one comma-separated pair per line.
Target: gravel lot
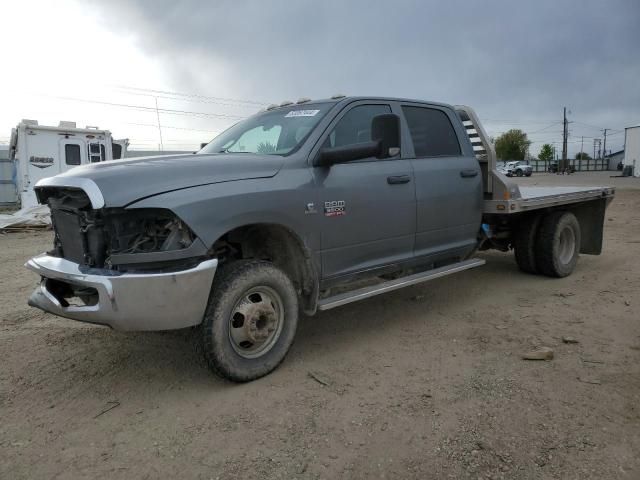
x,y
425,382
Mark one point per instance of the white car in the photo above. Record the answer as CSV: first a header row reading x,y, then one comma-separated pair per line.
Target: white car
x,y
517,169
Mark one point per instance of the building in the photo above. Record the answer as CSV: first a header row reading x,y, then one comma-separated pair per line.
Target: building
x,y
632,149
614,159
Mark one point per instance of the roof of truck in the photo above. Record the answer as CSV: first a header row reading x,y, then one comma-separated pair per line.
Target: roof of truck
x,y
349,99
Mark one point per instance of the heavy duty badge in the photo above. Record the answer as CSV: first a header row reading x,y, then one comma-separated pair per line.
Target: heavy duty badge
x,y
334,208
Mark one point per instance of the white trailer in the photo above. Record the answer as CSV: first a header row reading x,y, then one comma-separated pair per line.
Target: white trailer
x,y
40,151
632,149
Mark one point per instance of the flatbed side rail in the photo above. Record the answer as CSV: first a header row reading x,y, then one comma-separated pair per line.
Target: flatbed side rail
x,y
519,205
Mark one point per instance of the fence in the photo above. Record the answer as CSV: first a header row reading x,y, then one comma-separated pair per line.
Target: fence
x,y
592,165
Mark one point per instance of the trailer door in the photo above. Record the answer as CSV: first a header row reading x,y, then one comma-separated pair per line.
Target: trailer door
x,y
72,154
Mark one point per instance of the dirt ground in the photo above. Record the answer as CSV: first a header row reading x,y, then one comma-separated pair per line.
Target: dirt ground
x,y
425,382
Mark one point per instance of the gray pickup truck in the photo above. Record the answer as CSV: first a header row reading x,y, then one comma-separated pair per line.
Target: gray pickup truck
x,y
305,206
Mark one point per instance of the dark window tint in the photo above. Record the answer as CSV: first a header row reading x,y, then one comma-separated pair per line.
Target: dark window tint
x,y
72,154
103,153
431,132
116,148
355,126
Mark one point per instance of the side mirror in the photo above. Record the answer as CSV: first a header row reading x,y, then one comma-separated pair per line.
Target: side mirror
x,y
348,153
385,143
385,128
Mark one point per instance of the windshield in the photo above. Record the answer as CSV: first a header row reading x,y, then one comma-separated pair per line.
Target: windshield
x,y
276,132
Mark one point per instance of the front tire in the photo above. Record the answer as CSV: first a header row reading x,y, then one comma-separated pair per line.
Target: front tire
x,y
250,321
558,244
518,173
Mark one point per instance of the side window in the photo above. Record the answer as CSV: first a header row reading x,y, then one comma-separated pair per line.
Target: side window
x,y
72,154
116,149
431,132
96,153
355,126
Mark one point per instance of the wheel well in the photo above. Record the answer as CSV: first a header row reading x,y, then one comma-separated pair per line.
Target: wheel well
x,y
276,244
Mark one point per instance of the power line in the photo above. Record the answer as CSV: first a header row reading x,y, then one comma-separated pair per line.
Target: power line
x,y
193,95
548,126
171,127
194,100
153,109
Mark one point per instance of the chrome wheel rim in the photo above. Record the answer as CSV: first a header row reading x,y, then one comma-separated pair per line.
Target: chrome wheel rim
x,y
256,322
567,246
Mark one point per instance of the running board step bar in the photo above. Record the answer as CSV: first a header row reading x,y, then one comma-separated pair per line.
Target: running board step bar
x,y
366,292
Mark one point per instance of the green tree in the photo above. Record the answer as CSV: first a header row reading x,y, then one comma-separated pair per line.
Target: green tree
x,y
583,156
546,153
512,145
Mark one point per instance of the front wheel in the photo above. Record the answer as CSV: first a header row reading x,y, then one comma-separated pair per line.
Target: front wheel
x,y
519,173
250,321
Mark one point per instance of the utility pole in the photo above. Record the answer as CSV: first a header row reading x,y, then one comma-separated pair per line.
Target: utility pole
x,y
565,132
604,149
159,127
581,154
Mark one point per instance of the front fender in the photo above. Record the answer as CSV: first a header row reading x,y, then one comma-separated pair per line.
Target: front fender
x,y
213,210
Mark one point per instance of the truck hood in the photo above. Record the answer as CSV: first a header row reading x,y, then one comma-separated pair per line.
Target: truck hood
x,y
118,183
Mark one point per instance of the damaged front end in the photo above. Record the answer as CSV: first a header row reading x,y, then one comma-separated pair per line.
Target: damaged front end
x,y
120,239
127,268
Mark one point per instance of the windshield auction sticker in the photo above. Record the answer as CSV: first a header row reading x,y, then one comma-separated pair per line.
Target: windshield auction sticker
x,y
302,113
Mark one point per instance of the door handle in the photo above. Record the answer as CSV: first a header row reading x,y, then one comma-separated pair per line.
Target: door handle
x,y
398,179
468,173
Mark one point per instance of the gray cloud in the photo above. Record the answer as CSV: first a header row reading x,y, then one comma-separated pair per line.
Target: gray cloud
x,y
519,62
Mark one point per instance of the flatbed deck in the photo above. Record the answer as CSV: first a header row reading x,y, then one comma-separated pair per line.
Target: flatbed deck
x,y
534,198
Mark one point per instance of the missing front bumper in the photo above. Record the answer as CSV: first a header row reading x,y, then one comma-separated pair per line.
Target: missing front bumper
x,y
129,301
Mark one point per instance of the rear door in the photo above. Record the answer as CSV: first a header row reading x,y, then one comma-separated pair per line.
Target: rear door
x,y
72,153
448,184
366,208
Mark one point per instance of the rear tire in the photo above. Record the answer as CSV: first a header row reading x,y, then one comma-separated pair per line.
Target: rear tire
x,y
558,244
518,173
524,244
250,321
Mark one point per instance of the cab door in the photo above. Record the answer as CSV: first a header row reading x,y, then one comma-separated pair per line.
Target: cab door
x,y
448,184
366,208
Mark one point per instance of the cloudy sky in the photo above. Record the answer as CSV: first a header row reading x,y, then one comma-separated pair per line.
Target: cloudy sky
x,y
207,64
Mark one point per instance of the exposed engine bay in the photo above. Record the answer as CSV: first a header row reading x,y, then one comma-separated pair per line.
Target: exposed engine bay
x,y
113,238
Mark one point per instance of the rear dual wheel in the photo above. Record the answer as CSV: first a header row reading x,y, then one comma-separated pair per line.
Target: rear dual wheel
x,y
549,245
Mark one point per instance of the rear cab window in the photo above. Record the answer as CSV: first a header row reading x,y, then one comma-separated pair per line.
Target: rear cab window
x,y
431,132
